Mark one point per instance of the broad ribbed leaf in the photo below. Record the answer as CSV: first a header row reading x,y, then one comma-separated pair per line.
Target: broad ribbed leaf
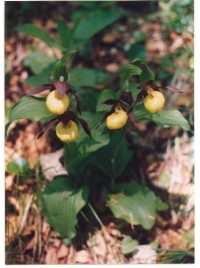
x,y
146,74
170,119
163,118
129,70
61,203
133,203
44,76
36,31
113,158
91,25
30,107
87,77
38,61
64,33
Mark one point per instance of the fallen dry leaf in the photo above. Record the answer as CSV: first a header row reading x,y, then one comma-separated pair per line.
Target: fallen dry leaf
x,y
110,38
63,251
31,244
82,256
45,230
51,256
29,229
9,182
57,243
112,67
170,239
12,225
99,248
144,255
51,165
174,173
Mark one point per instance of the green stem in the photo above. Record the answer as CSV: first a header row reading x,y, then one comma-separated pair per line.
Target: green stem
x,y
95,215
114,159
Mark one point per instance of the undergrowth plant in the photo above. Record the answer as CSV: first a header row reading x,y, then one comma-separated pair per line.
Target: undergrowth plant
x,y
96,151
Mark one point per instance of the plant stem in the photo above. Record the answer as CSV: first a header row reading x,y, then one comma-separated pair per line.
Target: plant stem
x,y
112,184
95,215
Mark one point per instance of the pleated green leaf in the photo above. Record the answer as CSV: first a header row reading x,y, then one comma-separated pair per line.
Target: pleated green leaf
x,y
61,203
36,31
29,107
134,203
163,118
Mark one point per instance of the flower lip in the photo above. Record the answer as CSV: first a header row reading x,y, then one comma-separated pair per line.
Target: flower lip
x,y
65,118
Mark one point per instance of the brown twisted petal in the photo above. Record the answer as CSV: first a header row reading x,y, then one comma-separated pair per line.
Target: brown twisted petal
x,y
50,124
85,126
40,89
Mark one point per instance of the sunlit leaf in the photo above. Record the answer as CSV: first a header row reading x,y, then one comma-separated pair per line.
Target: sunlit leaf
x,y
133,203
38,61
20,166
128,244
43,77
29,107
163,118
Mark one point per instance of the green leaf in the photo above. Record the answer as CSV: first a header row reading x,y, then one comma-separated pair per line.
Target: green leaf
x,y
87,77
113,158
188,237
96,5
36,31
170,118
20,166
133,203
141,113
59,69
61,203
137,50
43,77
146,74
128,244
100,136
163,118
129,70
94,23
139,61
63,33
38,61
160,205
78,151
104,95
30,107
